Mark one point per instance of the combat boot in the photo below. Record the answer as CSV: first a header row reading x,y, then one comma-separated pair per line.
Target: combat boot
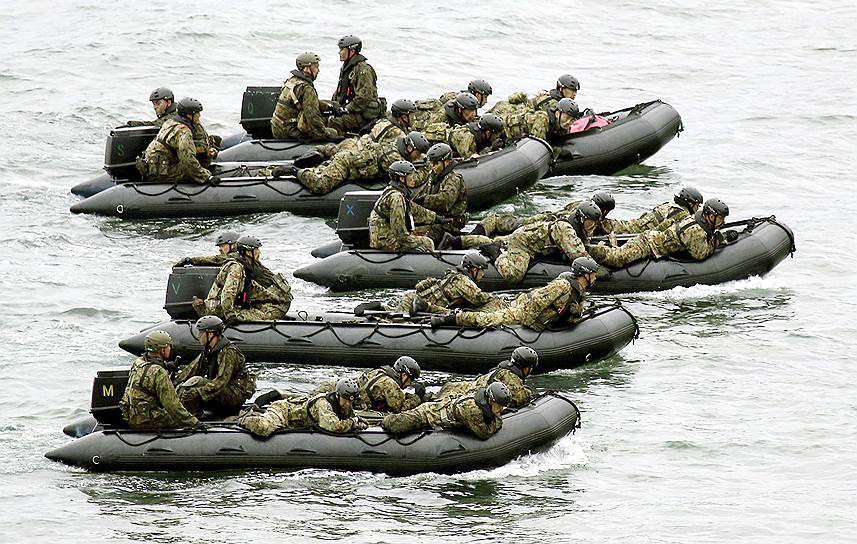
x,y
418,305
492,251
478,230
360,309
283,170
449,242
442,320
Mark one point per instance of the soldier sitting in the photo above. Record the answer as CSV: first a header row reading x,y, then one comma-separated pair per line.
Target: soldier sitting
x,y
244,289
150,400
478,413
444,194
297,114
355,102
226,244
697,235
331,412
558,302
172,154
457,289
217,379
163,102
391,222
512,373
479,88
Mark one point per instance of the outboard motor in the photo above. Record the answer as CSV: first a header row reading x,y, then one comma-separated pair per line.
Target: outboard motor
x,y
257,108
124,145
184,283
352,224
107,390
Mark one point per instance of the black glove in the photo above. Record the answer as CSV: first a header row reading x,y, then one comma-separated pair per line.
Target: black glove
x,y
200,426
214,180
441,220
420,390
187,261
499,143
730,235
171,366
337,109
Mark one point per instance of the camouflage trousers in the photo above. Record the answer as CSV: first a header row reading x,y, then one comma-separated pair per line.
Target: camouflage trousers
x,y
404,305
435,232
513,263
278,416
498,224
227,400
506,316
634,250
325,178
453,390
151,418
424,416
268,311
349,122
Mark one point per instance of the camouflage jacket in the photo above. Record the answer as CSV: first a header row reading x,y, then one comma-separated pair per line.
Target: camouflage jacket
x,y
454,290
542,238
446,195
557,301
386,130
224,366
429,111
661,217
392,220
323,412
466,413
172,154
210,260
690,234
159,122
527,123
357,89
516,103
150,400
230,292
381,390
506,373
545,100
297,108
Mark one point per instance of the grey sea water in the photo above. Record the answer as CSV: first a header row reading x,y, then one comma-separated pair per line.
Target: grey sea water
x,y
730,419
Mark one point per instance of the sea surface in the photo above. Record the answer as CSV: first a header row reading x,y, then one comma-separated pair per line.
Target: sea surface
x,y
731,419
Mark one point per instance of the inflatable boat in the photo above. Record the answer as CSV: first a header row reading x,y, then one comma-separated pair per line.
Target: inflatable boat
x,y
340,338
124,144
489,179
633,135
762,243
529,429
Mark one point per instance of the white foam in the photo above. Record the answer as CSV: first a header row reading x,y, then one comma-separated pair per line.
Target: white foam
x,y
677,294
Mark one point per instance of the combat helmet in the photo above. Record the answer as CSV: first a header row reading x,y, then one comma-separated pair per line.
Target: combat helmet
x,y
306,59
350,42
567,80
407,365
687,196
347,388
161,93
525,357
189,106
156,340
402,106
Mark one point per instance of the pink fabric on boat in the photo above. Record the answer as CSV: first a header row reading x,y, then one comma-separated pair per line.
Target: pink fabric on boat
x,y
588,122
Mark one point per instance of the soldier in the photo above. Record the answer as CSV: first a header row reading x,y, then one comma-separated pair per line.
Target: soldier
x,y
474,138
513,373
331,412
698,235
553,122
163,102
297,115
557,303
457,289
244,289
479,88
355,101
478,413
461,110
226,243
663,216
432,110
172,154
566,87
381,389
367,160
445,194
150,400
217,379
512,253
391,222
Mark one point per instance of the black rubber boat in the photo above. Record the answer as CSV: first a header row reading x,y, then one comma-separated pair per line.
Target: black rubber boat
x,y
489,179
123,146
633,135
339,338
224,446
762,243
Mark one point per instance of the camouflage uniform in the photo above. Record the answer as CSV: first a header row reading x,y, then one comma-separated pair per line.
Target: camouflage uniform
x,y
454,290
172,155
224,381
516,103
463,413
527,123
661,217
506,372
392,221
380,390
536,239
366,160
465,140
207,146
267,297
429,112
538,309
546,100
297,115
159,122
321,412
150,400
357,91
690,235
385,131
445,195
211,260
